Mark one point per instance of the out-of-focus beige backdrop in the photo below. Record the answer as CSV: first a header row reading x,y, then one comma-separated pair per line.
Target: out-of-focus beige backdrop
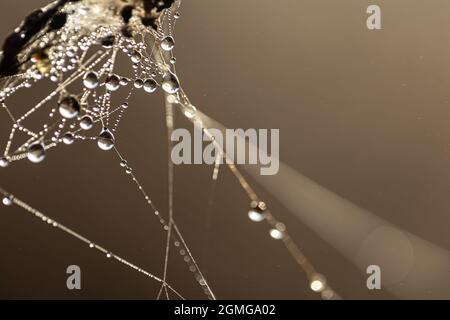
x,y
363,113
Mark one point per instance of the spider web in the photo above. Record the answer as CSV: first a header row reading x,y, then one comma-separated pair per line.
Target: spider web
x,y
92,93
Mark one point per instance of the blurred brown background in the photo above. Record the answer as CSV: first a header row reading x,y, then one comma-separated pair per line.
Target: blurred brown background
x,y
363,113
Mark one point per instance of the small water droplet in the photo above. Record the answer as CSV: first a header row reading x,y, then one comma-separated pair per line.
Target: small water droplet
x,y
276,234
86,123
168,43
138,83
150,85
7,200
136,57
170,83
69,107
4,162
36,153
90,80
105,140
68,138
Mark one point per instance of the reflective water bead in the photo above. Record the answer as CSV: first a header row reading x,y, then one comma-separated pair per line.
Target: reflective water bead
x,y
105,140
68,138
136,57
4,162
69,107
7,200
124,82
90,80
168,43
138,83
170,83
150,85
276,234
112,83
36,153
86,123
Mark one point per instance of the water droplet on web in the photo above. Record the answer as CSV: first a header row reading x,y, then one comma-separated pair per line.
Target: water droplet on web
x,y
170,83
36,153
105,140
112,83
7,200
138,83
4,162
136,57
168,43
69,107
68,138
255,215
90,80
86,123
150,85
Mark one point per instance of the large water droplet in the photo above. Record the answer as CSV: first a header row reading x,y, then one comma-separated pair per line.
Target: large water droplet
x,y
112,83
168,43
124,81
138,83
255,215
7,200
105,140
4,162
68,138
69,107
90,80
170,83
150,85
136,57
86,123
36,153
108,41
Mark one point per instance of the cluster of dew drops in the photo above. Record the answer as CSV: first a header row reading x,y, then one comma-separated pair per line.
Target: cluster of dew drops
x,y
94,105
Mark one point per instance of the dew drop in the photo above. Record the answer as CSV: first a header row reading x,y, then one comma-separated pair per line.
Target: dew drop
x,y
4,162
7,201
124,82
86,123
105,140
68,138
36,153
138,83
69,107
90,80
150,85
108,41
136,57
276,234
256,215
170,83
168,43
112,83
